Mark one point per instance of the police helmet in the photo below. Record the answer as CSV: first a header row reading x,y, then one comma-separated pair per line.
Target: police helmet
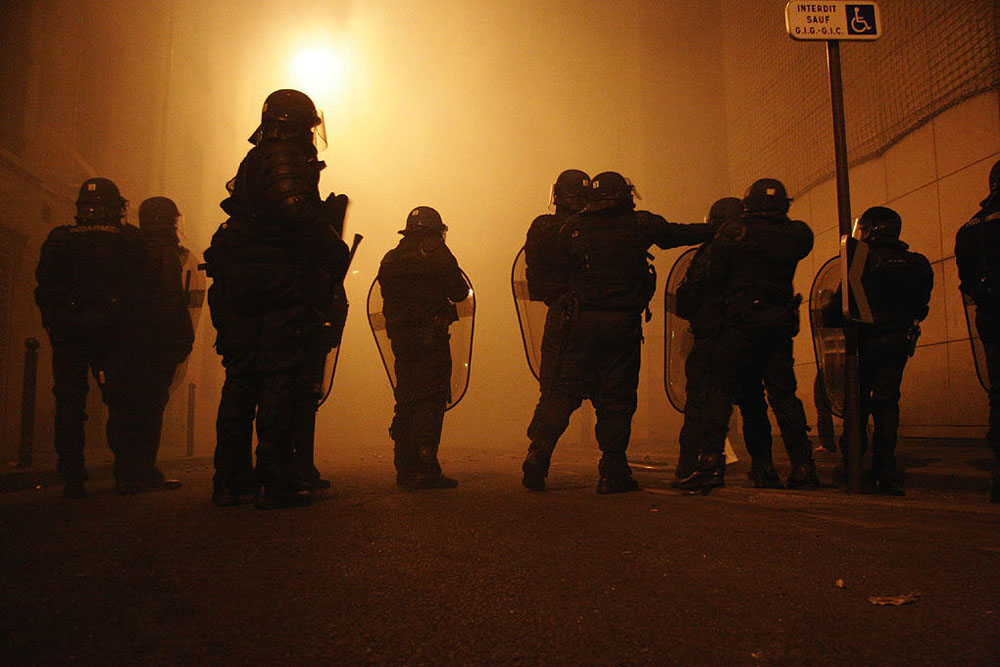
x,y
609,189
423,220
766,195
286,113
99,201
571,189
158,213
995,178
724,209
878,223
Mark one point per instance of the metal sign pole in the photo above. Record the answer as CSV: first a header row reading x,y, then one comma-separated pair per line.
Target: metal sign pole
x,y
852,397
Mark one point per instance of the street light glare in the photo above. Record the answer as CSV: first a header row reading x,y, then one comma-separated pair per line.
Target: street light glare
x,y
317,72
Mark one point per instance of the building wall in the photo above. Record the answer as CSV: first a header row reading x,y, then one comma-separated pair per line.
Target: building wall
x,y
934,178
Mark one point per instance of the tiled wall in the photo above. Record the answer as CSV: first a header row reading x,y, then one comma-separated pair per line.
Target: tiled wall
x,y
934,178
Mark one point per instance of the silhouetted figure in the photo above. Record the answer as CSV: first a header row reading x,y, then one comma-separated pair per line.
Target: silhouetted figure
x,y
753,263
977,253
703,304
421,283
611,284
275,262
897,283
92,281
167,334
549,272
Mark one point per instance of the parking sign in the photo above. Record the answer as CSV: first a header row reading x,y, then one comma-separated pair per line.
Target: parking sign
x,y
832,20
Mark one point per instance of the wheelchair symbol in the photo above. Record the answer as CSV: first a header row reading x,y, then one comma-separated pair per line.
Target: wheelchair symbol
x,y
859,23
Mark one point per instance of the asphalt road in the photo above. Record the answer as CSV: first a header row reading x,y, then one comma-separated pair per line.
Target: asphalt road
x,y
490,573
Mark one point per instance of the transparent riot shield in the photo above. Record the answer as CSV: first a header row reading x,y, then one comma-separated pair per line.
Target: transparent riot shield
x,y
194,281
978,351
461,333
530,315
677,338
828,332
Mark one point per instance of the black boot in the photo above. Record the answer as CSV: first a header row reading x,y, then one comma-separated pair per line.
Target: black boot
x,y
803,476
617,484
764,476
154,480
269,498
887,483
428,474
535,469
710,473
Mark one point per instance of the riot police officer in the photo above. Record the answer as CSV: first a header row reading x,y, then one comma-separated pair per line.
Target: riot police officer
x,y
275,263
898,285
702,303
548,273
92,280
421,283
753,263
167,335
977,253
606,246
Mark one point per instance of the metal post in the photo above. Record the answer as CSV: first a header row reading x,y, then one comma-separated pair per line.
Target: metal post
x,y
852,397
26,453
190,425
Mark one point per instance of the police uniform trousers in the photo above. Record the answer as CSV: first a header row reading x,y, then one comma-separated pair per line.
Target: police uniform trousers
x,y
598,358
750,399
110,364
265,327
423,388
989,333
750,354
149,384
882,356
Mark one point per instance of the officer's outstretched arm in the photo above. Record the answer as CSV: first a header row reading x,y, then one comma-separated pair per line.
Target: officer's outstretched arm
x,y
672,234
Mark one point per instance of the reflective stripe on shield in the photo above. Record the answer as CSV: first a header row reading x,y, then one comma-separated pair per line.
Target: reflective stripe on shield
x,y
530,315
329,370
978,351
827,332
677,337
460,342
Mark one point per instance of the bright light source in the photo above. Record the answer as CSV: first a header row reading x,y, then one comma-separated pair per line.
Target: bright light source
x,y
318,73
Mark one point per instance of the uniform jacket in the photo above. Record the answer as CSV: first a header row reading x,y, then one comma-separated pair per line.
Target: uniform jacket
x,y
898,285
608,253
547,269
420,282
977,253
754,260
92,278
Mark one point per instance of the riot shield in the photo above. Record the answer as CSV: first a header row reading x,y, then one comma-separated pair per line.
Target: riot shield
x,y
677,338
194,291
329,370
827,332
530,315
978,351
461,333
194,286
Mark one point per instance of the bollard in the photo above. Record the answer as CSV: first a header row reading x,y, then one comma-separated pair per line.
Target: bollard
x,y
26,453
190,431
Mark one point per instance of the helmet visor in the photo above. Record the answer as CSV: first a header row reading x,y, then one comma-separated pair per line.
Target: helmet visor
x,y
859,231
319,132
